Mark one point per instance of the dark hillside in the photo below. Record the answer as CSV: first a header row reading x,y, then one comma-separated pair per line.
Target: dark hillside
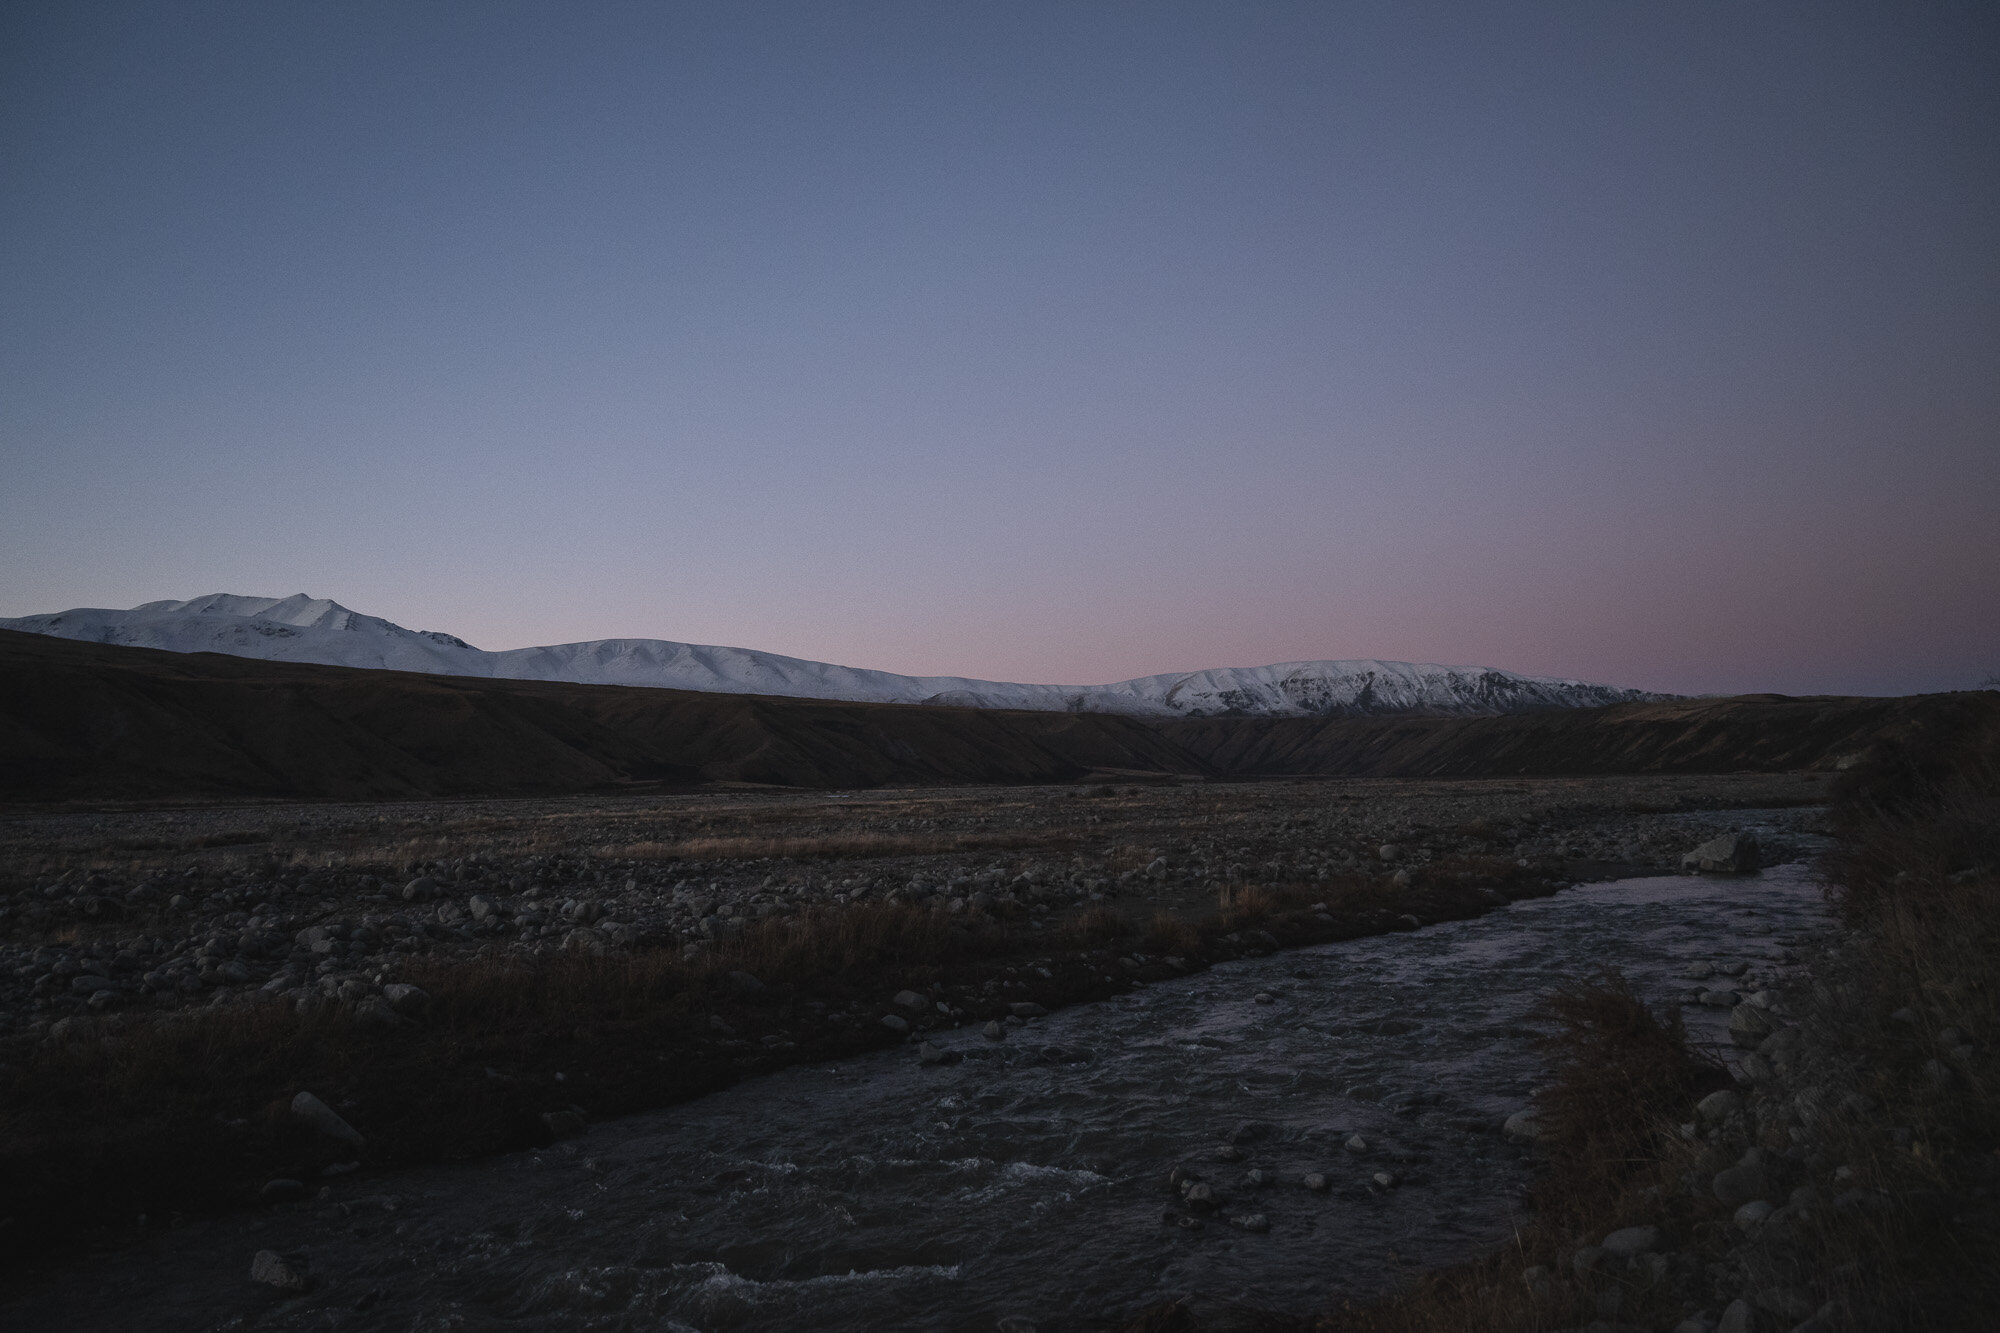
x,y
83,721
1747,733
86,721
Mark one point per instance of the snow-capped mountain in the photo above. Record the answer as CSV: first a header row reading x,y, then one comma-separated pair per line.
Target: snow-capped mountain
x,y
305,629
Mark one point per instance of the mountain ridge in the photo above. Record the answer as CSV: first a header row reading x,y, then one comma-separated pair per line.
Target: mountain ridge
x,y
320,631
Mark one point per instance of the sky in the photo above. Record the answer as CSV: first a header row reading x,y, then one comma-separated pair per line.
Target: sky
x,y
1071,342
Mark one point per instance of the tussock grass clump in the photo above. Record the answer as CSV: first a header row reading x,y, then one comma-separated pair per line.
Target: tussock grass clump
x,y
1170,936
1622,1076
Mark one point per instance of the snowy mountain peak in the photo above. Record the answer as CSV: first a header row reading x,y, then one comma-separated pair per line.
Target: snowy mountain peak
x,y
313,629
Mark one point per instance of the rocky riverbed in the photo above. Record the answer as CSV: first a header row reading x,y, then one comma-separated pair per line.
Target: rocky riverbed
x,y
112,913
1282,1132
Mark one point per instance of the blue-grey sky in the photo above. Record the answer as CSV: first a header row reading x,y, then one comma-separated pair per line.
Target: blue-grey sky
x,y
1657,344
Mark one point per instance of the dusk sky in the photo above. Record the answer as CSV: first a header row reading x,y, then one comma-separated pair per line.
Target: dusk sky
x,y
1656,344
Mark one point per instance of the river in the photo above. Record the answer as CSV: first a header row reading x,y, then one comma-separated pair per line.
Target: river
x,y
1029,1180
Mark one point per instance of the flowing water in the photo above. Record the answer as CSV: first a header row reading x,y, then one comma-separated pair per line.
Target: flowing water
x,y
1029,1180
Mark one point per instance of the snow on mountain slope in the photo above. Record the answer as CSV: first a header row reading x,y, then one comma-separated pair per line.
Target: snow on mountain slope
x,y
304,629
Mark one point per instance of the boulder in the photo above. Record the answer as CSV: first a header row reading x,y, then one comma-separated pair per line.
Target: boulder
x,y
1730,854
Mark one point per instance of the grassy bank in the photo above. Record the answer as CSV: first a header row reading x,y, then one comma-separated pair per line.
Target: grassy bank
x,y
118,1127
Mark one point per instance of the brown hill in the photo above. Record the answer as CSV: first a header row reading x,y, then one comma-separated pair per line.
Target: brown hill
x,y
85,721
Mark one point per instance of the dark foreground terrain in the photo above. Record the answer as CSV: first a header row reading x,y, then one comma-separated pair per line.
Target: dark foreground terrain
x,y
468,977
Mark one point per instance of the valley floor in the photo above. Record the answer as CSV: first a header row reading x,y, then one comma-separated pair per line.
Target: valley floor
x,y
123,912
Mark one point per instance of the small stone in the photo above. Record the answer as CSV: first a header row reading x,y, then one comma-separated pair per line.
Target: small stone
x,y
282,1191
1200,1195
1749,1025
895,1022
1791,1304
1738,1318
910,1000
927,1054
1719,1105
1699,970
1355,1143
1630,1242
1752,1215
994,1032
1253,1222
1027,1009
1264,997
1740,1184
373,1011
272,1269
408,1000
482,907
1389,851
1385,1179
423,886
1315,1182
1586,1260
316,1113
1718,999
1256,1178
1523,1125
1228,1153
563,1124
1756,1068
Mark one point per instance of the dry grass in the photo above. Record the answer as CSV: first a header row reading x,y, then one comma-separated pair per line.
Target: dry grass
x,y
1171,936
1622,1077
832,846
1240,905
1102,925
